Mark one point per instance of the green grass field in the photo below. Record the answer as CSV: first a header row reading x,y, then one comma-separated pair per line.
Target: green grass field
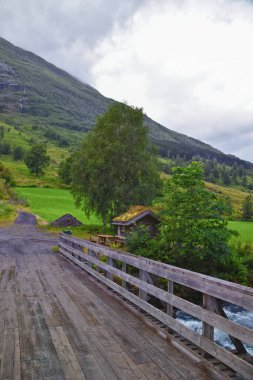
x,y
245,230
50,204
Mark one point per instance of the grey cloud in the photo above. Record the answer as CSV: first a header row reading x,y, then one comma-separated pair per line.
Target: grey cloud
x,y
52,29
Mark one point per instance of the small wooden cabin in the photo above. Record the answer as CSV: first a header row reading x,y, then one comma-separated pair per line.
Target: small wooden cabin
x,y
136,215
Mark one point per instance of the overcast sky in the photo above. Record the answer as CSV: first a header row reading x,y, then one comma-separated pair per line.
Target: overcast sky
x,y
188,63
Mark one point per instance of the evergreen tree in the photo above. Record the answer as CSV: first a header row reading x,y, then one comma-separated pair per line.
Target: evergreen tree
x,y
247,208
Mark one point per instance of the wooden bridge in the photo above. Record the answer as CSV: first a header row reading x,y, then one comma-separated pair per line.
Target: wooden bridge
x,y
97,320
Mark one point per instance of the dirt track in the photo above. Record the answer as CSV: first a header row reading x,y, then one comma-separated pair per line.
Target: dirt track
x,y
26,218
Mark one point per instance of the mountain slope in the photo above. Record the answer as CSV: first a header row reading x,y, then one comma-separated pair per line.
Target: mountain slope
x,y
48,96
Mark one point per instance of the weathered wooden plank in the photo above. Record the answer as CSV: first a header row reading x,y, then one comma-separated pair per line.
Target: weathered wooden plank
x,y
234,362
71,366
90,367
8,354
102,359
117,363
17,363
153,372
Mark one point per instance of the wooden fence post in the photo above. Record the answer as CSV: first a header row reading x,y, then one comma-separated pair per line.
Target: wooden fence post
x,y
143,277
171,291
89,254
123,282
209,304
110,262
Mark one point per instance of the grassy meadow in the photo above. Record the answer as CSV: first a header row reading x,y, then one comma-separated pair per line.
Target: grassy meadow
x,y
50,204
245,230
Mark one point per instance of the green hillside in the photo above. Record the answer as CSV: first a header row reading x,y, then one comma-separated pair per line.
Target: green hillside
x,y
24,138
35,92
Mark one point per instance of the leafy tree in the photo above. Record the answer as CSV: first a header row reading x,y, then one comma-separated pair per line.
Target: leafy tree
x,y
115,166
247,208
194,234
65,170
18,153
37,160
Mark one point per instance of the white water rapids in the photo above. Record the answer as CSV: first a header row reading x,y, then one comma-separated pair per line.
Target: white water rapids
x,y
236,314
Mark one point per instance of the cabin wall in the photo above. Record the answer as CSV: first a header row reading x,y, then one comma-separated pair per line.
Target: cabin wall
x,y
149,221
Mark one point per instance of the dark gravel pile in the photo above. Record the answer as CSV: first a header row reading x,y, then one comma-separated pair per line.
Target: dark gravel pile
x,y
66,220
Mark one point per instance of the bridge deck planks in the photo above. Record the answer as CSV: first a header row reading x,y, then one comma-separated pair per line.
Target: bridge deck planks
x,y
57,324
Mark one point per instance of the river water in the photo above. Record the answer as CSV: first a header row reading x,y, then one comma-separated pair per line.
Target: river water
x,y
235,313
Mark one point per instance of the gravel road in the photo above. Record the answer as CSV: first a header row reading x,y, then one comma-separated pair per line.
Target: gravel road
x,y
25,238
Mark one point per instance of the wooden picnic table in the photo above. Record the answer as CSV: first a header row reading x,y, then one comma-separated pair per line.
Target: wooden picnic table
x,y
104,239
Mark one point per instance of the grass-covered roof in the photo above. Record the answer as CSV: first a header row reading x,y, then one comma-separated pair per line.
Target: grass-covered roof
x,y
131,214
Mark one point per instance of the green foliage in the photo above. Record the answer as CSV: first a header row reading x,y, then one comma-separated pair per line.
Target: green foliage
x,y
245,252
37,159
139,242
194,229
247,208
115,166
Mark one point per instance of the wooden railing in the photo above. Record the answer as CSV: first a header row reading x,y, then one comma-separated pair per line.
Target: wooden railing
x,y
118,270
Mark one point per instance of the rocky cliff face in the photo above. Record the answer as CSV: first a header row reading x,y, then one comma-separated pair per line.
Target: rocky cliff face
x,y
10,89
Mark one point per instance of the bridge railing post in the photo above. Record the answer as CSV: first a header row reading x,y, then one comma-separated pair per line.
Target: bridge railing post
x,y
170,289
110,262
90,254
143,277
124,269
209,303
